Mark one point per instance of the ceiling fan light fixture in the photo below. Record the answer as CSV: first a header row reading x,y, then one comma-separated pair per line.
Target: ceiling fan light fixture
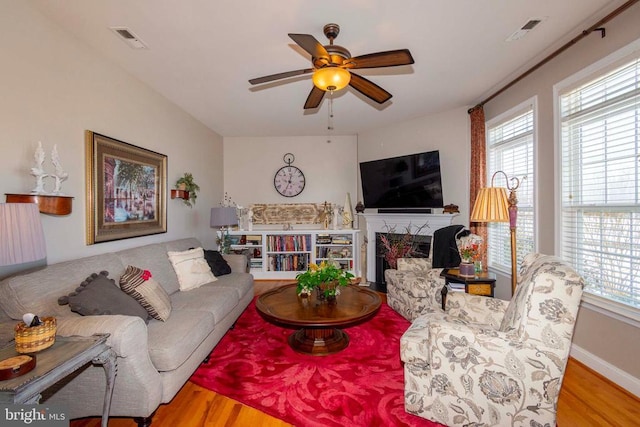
x,y
331,78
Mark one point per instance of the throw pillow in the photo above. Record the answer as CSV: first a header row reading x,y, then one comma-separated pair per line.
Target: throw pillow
x,y
191,268
99,295
149,293
219,266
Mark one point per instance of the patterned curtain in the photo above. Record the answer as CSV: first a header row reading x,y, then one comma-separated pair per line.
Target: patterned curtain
x,y
478,172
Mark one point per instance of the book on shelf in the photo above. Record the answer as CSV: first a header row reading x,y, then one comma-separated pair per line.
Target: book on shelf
x,y
456,287
288,262
289,243
323,239
341,240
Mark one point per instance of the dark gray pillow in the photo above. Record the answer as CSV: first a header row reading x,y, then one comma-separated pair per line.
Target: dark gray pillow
x,y
219,266
99,295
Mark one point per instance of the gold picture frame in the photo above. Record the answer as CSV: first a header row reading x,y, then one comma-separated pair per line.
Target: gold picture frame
x,y
126,190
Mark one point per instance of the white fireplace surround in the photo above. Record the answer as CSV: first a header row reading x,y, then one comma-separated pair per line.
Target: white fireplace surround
x,y
382,223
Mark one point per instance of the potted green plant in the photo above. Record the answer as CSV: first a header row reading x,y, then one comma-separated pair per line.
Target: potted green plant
x,y
186,183
326,278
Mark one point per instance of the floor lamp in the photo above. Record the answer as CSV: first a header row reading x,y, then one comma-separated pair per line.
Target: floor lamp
x,y
223,218
493,205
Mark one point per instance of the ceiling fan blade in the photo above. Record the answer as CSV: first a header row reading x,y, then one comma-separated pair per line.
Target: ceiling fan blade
x,y
389,58
310,44
314,99
369,89
279,76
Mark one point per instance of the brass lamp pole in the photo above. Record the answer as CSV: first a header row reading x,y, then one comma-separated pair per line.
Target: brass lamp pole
x,y
492,205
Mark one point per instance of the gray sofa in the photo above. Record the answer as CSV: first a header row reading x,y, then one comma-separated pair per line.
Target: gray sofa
x,y
154,359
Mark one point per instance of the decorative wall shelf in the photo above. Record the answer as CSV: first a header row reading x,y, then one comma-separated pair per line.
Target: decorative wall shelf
x,y
53,205
180,194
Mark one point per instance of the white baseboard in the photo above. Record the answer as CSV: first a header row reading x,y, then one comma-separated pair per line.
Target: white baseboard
x,y
606,369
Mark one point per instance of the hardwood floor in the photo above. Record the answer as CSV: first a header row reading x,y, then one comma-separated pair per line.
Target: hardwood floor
x,y
586,399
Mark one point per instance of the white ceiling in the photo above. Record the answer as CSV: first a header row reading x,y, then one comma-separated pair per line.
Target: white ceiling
x,y
203,52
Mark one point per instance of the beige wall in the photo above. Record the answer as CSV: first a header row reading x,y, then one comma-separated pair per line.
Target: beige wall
x,y
447,132
615,342
52,89
330,169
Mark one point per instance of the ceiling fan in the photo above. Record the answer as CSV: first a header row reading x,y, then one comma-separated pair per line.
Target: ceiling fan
x,y
332,65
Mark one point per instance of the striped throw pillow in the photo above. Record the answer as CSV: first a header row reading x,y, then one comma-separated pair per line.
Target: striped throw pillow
x,y
149,293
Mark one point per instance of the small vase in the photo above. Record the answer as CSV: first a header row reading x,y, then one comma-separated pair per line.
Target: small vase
x,y
478,266
467,269
326,292
303,297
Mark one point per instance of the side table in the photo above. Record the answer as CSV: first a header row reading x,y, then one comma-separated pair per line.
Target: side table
x,y
480,284
53,364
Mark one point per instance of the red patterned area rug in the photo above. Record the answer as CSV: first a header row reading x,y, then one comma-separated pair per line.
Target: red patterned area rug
x,y
359,386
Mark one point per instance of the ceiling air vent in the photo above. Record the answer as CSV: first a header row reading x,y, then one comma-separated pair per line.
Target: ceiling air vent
x,y
530,25
127,36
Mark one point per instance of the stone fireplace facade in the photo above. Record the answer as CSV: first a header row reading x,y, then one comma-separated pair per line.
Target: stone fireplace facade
x,y
376,223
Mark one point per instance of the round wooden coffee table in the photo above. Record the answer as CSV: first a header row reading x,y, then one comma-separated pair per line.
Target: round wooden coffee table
x,y
319,322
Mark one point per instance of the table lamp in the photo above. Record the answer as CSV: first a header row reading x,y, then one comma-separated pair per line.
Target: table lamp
x,y
223,218
22,244
492,205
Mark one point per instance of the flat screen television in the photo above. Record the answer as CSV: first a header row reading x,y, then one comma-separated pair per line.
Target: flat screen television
x,y
405,182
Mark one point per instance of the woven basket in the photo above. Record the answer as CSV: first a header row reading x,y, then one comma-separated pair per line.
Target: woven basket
x,y
35,338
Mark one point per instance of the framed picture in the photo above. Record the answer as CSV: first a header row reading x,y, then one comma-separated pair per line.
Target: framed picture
x,y
126,190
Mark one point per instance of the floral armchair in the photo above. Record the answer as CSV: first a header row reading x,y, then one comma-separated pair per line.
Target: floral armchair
x,y
485,361
414,288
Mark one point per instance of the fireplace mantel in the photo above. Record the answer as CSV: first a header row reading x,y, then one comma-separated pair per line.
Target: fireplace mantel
x,y
382,223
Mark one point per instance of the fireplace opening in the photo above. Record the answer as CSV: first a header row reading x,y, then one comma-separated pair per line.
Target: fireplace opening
x,y
423,245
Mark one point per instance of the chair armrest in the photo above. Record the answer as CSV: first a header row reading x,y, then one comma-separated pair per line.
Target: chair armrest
x,y
239,263
127,334
476,309
422,284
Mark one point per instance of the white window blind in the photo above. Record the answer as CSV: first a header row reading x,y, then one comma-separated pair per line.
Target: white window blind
x,y
600,135
510,149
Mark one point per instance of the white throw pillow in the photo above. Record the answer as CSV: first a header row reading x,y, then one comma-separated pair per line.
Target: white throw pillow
x,y
191,268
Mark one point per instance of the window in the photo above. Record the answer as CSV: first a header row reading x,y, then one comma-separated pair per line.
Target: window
x,y
510,148
600,154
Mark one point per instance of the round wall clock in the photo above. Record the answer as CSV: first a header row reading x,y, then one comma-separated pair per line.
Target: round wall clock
x,y
289,180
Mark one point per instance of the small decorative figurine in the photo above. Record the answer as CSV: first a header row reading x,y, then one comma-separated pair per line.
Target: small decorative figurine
x,y
250,219
60,174
336,215
38,171
347,214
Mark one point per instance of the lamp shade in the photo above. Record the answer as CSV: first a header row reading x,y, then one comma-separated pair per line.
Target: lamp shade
x,y
331,78
223,217
22,244
492,205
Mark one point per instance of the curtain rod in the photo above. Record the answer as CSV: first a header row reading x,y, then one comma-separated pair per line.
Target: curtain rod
x,y
595,27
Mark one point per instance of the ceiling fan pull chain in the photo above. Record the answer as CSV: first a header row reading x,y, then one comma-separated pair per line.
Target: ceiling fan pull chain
x,y
330,117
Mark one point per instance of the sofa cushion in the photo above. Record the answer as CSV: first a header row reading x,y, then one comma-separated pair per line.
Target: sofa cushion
x,y
218,301
219,266
38,292
98,295
191,268
140,285
240,283
172,342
